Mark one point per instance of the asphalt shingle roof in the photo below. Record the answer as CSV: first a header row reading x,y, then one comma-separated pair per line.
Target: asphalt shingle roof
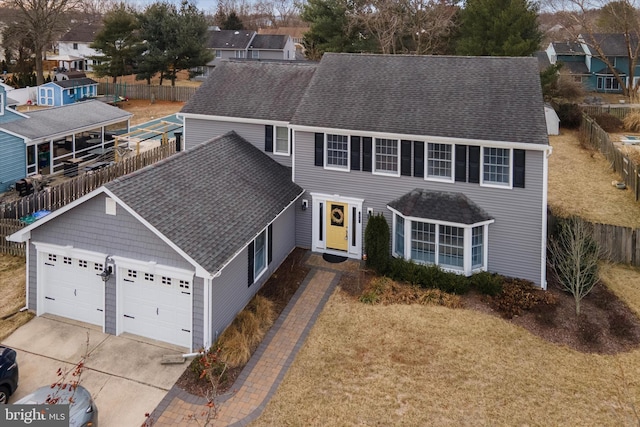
x,y
83,81
188,197
84,33
611,44
269,41
543,60
491,98
440,206
257,90
568,48
575,67
229,39
59,120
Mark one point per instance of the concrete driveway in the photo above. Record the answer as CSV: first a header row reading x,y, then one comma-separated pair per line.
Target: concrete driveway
x,y
123,374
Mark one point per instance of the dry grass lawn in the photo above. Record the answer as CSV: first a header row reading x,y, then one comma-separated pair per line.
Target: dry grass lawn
x,y
13,294
435,366
580,184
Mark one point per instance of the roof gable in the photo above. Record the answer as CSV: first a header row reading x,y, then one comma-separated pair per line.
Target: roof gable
x,y
269,41
486,98
187,198
252,89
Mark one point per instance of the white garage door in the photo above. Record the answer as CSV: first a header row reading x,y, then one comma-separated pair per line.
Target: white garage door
x,y
156,306
72,287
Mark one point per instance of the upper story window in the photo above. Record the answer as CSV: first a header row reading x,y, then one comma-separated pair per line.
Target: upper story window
x,y
337,151
240,54
282,140
218,53
496,166
386,156
439,161
75,46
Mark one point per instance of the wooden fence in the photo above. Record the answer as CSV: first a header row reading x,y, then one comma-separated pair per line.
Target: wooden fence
x,y
57,196
618,244
592,134
619,111
143,91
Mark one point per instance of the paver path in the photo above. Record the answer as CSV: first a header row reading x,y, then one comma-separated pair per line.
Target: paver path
x,y
261,376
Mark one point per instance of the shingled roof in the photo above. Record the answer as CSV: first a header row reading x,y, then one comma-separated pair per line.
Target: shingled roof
x,y
256,90
440,206
229,39
61,120
490,98
568,48
82,81
269,41
83,33
196,210
611,44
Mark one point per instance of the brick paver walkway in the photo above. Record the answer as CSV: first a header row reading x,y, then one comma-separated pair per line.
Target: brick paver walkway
x,y
261,376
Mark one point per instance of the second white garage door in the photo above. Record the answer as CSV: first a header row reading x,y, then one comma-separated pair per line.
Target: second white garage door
x,y
156,306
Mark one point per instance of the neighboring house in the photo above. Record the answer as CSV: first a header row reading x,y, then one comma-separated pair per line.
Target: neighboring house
x,y
245,44
296,34
374,133
585,65
74,51
64,91
180,251
41,142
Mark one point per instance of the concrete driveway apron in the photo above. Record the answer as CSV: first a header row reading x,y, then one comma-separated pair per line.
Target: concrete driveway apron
x,y
123,373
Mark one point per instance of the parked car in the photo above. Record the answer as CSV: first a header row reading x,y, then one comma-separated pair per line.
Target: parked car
x,y
8,373
82,410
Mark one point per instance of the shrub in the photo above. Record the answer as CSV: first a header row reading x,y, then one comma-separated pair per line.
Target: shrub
x,y
427,276
236,350
632,122
385,291
570,115
608,122
487,283
518,295
264,309
376,240
209,364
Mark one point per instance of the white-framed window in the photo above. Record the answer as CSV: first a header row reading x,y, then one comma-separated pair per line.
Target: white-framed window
x,y
386,156
240,53
454,247
260,255
337,151
496,166
218,53
608,83
439,161
281,137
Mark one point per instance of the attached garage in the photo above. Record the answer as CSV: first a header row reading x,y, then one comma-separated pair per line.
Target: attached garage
x,y
155,301
70,284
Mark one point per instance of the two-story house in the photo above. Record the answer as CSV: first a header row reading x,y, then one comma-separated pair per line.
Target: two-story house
x,y
582,60
282,155
74,48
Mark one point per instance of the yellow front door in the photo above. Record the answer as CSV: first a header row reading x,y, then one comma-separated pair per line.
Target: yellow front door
x,y
337,226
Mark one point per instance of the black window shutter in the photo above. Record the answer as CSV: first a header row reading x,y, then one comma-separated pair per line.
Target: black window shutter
x,y
367,144
418,159
355,153
474,164
269,244
518,168
405,157
250,253
319,149
268,138
461,163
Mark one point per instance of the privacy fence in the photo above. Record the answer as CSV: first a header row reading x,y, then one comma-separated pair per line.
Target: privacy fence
x,y
618,111
593,135
143,91
54,197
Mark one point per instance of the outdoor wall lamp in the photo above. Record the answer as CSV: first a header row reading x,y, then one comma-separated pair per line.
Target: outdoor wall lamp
x,y
108,269
305,204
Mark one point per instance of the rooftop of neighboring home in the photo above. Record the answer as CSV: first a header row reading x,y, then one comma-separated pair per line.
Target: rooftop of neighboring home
x,y
83,81
229,39
61,120
568,48
82,33
269,41
611,44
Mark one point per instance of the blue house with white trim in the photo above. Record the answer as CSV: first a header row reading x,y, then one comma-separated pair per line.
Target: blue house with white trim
x,y
65,92
12,166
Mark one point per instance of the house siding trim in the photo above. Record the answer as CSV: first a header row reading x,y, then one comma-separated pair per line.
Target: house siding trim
x,y
543,237
429,138
248,120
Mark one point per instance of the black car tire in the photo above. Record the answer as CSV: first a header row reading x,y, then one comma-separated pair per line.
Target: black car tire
x,y
4,394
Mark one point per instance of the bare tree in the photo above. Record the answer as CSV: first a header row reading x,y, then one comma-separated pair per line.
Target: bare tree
x,y
431,25
41,20
574,256
618,17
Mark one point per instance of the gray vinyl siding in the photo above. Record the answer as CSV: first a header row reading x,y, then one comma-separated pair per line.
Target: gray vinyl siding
x,y
121,235
13,164
271,54
197,314
110,304
230,291
198,131
514,238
